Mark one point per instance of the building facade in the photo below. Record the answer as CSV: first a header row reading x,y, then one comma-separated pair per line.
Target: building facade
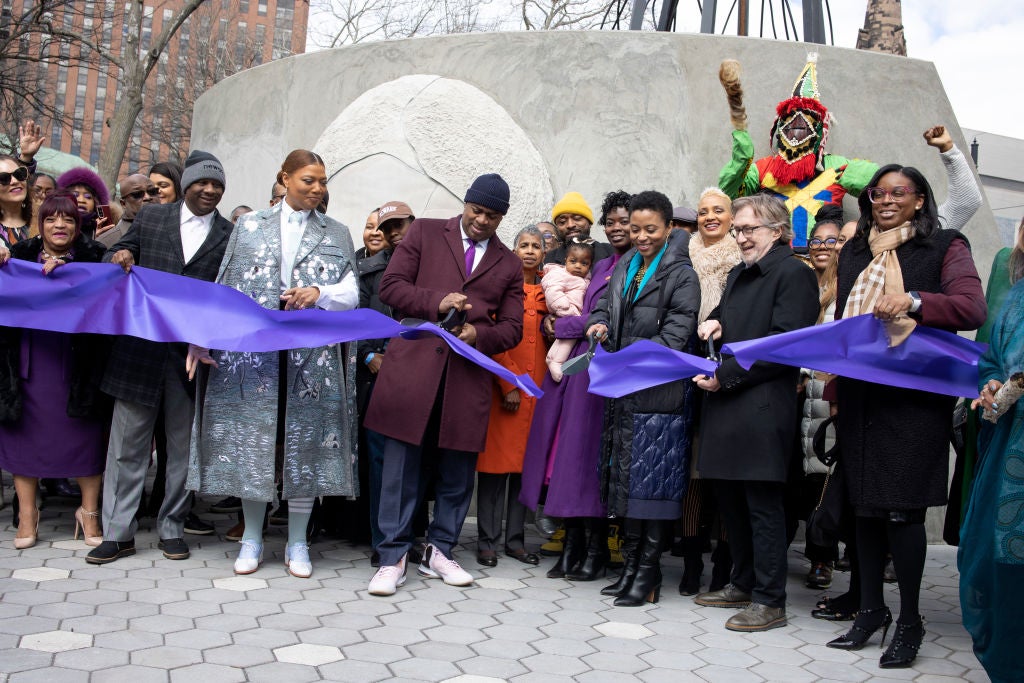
x,y
220,38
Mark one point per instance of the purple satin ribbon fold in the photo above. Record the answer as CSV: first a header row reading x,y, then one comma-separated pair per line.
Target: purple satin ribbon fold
x,y
642,365
929,360
99,298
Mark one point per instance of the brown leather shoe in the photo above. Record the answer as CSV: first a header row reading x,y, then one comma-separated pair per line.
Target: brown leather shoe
x,y
757,617
730,596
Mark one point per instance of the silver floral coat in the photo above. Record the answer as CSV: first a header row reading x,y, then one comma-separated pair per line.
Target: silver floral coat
x,y
235,428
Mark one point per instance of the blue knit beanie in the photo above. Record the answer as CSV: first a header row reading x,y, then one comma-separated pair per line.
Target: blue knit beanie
x,y
489,191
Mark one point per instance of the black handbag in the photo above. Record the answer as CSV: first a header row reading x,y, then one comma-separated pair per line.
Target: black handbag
x,y
828,522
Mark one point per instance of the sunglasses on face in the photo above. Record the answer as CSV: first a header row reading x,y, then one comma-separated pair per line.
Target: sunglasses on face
x,y
139,194
20,174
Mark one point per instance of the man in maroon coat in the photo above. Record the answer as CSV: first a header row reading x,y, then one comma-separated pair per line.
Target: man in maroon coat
x,y
425,389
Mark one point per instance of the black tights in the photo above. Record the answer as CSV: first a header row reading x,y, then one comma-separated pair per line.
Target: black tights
x,y
908,544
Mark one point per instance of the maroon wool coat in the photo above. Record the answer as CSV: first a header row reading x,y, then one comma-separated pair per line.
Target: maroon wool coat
x,y
429,264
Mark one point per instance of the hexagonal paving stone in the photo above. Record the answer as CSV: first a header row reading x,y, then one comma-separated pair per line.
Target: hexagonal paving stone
x,y
308,654
40,574
208,673
499,583
240,583
468,678
55,641
618,629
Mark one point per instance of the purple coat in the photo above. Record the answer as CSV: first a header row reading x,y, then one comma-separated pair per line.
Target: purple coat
x,y
567,409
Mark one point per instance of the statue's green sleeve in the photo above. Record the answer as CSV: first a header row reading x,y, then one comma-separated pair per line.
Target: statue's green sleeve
x,y
739,177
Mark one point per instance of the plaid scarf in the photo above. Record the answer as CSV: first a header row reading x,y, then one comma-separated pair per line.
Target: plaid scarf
x,y
882,276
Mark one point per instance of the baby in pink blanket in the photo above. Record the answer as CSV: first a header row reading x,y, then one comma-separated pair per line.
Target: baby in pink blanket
x,y
564,287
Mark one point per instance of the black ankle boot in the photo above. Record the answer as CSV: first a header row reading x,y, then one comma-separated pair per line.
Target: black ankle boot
x,y
906,641
721,571
573,548
646,586
631,530
595,562
693,565
866,623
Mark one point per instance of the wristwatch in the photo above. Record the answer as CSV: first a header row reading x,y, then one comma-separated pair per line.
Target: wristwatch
x,y
915,299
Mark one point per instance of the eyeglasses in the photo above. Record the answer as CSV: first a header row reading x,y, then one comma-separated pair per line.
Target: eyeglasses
x,y
547,236
877,195
139,194
79,194
828,243
20,174
748,231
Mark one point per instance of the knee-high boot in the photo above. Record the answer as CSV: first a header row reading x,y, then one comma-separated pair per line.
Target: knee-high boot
x,y
595,562
573,548
646,587
631,530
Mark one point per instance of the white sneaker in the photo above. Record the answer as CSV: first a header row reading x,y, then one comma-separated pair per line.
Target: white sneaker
x,y
296,558
388,578
250,557
436,566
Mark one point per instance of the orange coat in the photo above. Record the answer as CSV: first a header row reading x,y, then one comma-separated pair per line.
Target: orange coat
x,y
507,432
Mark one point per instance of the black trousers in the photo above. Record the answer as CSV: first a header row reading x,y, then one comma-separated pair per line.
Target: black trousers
x,y
755,518
492,504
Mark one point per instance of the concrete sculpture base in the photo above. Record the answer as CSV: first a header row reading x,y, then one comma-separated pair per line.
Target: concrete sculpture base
x,y
593,111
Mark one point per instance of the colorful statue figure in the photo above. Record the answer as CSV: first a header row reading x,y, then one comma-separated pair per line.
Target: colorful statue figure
x,y
799,172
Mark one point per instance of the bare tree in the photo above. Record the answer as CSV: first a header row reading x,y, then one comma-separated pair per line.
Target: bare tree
x,y
544,15
334,23
217,48
34,36
133,67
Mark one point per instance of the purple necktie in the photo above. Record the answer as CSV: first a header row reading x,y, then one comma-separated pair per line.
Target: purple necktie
x,y
470,256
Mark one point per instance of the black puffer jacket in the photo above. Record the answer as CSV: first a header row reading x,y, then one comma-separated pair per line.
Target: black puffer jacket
x,y
371,270
89,351
647,436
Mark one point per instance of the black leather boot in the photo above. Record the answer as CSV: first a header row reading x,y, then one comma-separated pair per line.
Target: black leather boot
x,y
631,530
721,572
595,562
574,547
693,565
646,586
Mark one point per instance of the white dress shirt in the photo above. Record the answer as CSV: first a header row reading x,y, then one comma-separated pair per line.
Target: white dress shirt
x,y
194,230
342,296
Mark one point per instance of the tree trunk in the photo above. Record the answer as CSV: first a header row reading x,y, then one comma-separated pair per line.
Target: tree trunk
x,y
121,124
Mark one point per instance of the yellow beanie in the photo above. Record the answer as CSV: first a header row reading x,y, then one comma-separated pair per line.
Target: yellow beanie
x,y
572,202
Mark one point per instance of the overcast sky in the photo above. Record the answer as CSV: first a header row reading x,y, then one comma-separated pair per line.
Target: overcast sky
x,y
977,47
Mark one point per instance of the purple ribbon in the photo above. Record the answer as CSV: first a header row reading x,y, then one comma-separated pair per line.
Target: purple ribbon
x,y
642,365
929,360
99,298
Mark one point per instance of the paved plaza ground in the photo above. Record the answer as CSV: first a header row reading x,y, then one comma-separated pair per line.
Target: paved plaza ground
x,y
145,618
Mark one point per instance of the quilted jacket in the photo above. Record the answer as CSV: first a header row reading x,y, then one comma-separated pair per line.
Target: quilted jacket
x,y
647,436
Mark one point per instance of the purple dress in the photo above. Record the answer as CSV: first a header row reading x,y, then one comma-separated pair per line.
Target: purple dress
x,y
565,437
45,442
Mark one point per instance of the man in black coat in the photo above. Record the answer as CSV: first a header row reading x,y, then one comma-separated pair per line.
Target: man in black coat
x,y
186,238
749,417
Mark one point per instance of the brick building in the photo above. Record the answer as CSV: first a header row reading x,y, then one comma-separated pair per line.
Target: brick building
x,y
222,37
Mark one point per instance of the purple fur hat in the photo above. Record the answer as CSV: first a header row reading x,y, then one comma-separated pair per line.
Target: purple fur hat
x,y
80,175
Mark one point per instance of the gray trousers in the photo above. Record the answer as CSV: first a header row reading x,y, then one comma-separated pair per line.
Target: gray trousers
x,y
128,456
492,505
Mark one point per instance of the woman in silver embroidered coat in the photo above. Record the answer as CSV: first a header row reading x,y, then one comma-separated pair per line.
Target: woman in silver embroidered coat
x,y
247,405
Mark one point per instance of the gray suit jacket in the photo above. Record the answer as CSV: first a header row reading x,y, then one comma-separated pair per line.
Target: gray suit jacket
x,y
137,366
